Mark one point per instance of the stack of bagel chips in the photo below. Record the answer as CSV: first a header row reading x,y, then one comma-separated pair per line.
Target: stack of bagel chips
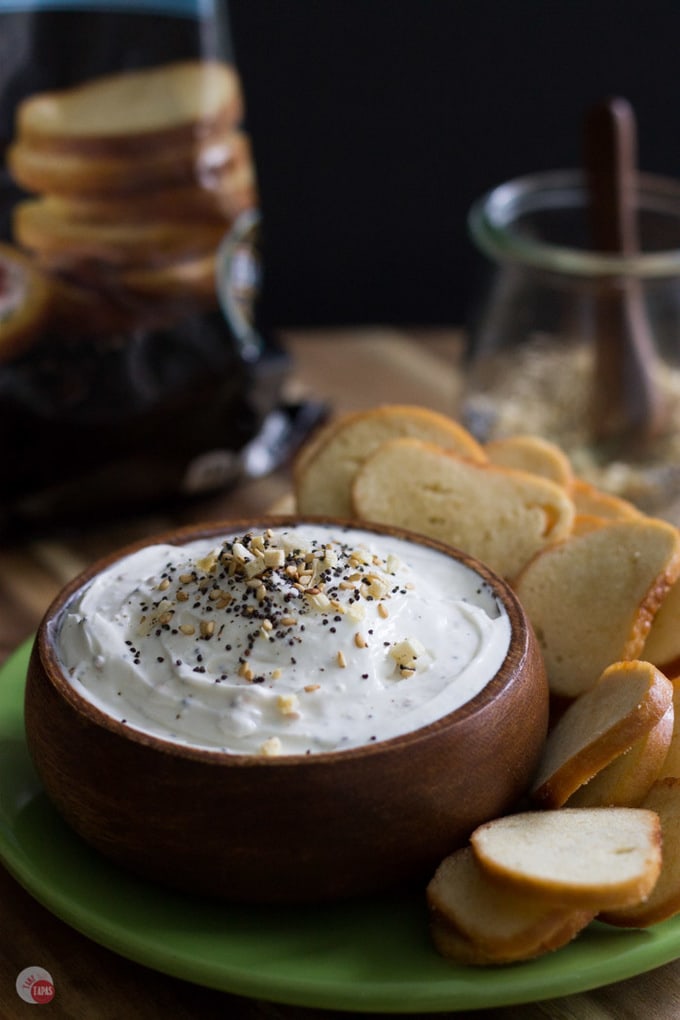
x,y
132,180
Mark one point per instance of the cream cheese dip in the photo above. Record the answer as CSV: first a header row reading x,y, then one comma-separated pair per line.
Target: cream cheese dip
x,y
302,640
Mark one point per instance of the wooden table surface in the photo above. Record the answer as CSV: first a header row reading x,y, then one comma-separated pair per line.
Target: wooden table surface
x,y
350,369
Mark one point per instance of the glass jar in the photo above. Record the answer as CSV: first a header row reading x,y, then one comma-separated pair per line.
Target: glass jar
x,y
125,162
532,362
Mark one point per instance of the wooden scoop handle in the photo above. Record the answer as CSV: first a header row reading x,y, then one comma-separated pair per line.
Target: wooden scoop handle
x,y
610,151
627,407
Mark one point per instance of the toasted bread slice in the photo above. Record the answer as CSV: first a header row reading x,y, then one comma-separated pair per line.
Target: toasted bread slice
x,y
534,454
587,522
450,944
224,193
588,499
65,174
670,767
129,111
68,175
662,646
495,925
591,598
627,780
590,858
625,704
664,900
323,473
500,515
40,227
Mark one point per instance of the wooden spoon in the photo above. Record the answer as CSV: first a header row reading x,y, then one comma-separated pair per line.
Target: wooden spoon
x,y
627,409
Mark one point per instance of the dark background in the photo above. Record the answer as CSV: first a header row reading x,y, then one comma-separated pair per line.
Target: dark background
x,y
377,122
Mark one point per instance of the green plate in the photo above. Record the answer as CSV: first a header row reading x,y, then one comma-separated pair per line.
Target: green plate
x,y
370,956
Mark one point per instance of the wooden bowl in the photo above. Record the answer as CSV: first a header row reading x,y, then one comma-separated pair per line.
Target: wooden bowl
x,y
296,828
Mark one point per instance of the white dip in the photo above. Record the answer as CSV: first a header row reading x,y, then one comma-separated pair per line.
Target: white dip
x,y
302,640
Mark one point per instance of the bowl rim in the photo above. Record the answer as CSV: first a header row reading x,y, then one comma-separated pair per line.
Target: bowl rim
x,y
515,658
